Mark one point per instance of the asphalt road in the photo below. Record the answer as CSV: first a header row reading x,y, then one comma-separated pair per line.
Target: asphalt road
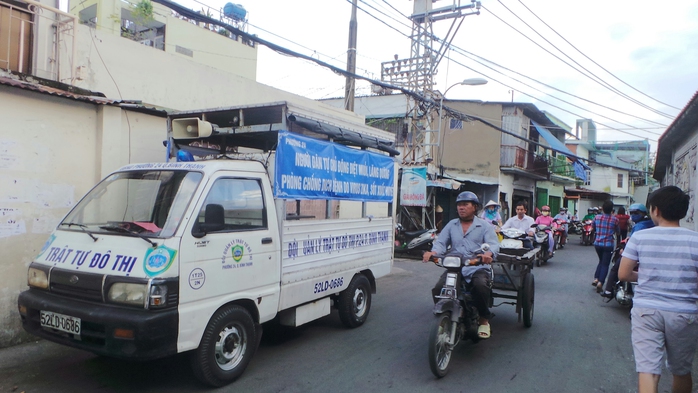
x,y
577,343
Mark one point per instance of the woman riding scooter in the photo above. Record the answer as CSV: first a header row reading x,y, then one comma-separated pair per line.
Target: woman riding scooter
x,y
547,220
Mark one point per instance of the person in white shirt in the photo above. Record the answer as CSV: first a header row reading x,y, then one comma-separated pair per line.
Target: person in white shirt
x,y
522,222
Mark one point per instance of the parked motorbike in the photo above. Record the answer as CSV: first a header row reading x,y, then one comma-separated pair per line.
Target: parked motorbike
x,y
575,227
456,317
559,234
540,239
413,242
622,291
588,233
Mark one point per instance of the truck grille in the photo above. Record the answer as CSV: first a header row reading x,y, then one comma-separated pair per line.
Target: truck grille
x,y
86,286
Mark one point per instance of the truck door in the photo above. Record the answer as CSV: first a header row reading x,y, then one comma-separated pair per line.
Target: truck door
x,y
229,251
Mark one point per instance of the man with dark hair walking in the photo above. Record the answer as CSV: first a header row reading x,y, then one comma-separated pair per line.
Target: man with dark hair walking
x,y
665,312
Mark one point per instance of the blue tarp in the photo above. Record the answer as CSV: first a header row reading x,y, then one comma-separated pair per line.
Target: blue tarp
x,y
557,144
580,168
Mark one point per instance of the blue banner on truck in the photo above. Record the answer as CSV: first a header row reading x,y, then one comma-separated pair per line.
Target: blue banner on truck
x,y
310,169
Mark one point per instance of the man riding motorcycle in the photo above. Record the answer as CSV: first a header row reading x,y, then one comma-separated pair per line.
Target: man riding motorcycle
x,y
465,235
638,214
563,219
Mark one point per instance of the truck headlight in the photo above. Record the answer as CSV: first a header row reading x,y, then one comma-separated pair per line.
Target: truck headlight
x,y
37,278
133,294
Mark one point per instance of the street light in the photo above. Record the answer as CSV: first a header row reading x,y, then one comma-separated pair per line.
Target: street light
x,y
467,82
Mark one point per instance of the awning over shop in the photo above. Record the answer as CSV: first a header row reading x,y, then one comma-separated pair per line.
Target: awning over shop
x,y
444,183
486,180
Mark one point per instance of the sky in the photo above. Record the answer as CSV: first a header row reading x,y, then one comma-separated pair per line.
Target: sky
x,y
635,59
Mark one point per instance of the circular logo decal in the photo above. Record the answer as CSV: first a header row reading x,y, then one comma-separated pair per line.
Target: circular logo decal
x,y
158,260
197,277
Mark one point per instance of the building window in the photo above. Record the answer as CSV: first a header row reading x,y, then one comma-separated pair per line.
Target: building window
x,y
588,180
456,124
620,180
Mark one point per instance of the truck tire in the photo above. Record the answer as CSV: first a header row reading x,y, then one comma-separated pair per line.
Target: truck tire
x,y
226,348
355,302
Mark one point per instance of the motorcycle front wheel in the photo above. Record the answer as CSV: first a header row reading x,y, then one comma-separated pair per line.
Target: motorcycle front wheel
x,y
439,348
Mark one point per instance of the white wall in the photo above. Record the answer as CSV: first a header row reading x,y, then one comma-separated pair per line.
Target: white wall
x,y
685,175
52,151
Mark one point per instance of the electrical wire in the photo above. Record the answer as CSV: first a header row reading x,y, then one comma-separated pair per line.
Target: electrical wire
x,y
597,64
606,85
457,48
555,106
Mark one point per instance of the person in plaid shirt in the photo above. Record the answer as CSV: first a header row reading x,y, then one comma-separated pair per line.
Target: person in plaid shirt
x,y
606,225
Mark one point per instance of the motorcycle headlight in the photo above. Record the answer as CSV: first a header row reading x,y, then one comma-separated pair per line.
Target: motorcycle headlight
x,y
132,294
451,262
37,278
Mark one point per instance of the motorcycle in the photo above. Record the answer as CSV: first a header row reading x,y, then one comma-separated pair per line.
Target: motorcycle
x,y
559,234
413,242
540,239
622,291
588,233
513,242
575,227
456,317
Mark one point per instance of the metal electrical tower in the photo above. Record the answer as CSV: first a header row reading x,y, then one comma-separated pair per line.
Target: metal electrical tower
x,y
416,73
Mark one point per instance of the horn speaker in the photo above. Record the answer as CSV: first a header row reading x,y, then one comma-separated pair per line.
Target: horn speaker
x,y
191,128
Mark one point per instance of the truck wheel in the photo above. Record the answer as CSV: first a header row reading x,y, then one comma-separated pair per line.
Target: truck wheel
x,y
355,302
226,348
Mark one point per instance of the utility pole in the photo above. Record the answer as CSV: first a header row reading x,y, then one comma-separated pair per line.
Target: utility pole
x,y
350,88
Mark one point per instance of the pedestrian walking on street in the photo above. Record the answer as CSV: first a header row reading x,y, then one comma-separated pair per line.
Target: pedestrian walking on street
x,y
623,223
606,225
665,312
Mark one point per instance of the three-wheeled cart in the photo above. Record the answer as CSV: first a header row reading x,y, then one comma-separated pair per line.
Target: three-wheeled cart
x,y
513,272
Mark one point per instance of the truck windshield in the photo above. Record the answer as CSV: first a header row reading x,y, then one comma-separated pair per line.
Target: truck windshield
x,y
141,203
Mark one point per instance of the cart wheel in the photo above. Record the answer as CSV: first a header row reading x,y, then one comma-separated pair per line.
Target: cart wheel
x,y
527,292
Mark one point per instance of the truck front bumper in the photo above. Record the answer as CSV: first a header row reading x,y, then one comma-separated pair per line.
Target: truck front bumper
x,y
154,332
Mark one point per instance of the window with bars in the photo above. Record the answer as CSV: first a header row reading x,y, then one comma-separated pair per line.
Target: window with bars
x,y
620,180
456,124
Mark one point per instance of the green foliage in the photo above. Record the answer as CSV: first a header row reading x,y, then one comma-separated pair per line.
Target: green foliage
x,y
143,12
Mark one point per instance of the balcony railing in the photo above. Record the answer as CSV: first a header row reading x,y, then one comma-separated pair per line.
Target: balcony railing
x,y
516,157
37,39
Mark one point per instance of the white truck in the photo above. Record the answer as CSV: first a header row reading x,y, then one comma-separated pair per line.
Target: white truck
x,y
171,257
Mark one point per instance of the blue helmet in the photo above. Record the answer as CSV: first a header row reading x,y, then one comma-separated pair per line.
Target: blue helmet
x,y
467,196
637,207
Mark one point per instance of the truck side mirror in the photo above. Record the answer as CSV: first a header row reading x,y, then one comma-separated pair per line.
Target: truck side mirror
x,y
214,220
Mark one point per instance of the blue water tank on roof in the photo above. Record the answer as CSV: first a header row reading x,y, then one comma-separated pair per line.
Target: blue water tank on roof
x,y
235,11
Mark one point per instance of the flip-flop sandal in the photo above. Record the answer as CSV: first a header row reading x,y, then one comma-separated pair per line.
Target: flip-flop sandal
x,y
483,331
595,283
